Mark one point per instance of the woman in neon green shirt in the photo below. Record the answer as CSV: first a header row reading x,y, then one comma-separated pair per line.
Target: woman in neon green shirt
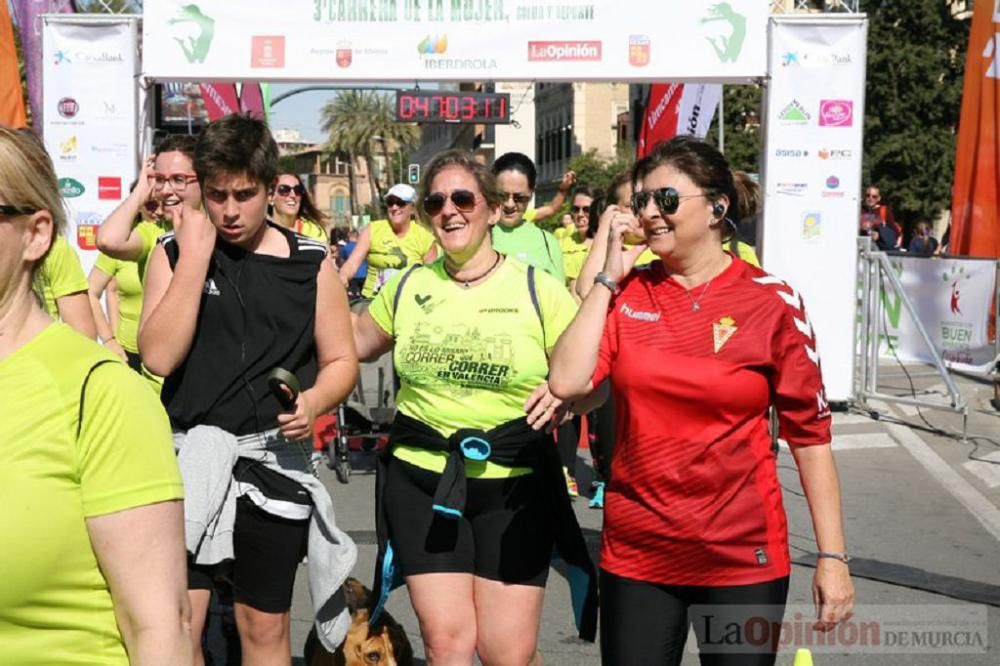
x,y
88,460
293,208
390,245
473,491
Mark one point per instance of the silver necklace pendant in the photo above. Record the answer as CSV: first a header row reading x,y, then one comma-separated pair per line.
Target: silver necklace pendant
x,y
695,307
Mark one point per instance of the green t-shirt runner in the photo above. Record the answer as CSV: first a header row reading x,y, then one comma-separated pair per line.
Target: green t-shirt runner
x,y
61,274
470,358
55,605
530,245
126,276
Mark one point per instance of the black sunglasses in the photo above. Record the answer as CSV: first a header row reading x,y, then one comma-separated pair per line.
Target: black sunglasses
x,y
464,200
580,209
284,190
667,199
519,199
395,201
12,211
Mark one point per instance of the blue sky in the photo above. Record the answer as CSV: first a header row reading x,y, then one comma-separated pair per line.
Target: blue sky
x,y
301,111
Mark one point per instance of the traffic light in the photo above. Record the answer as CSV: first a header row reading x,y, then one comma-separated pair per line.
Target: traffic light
x,y
413,174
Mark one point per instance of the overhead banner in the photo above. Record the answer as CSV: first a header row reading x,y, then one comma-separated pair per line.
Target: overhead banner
x,y
975,196
812,176
454,40
90,126
953,299
673,109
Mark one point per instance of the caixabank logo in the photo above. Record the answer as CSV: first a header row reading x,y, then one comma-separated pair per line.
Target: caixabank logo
x,y
433,50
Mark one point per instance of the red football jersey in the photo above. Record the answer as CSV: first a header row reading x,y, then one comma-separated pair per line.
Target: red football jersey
x,y
694,497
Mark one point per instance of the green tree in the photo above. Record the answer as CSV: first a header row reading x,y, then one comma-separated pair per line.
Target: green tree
x,y
916,59
742,109
358,120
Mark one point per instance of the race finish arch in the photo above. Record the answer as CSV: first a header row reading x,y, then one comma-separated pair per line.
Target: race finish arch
x,y
814,116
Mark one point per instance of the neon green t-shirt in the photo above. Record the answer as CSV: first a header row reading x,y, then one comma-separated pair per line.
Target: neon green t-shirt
x,y
150,232
469,358
575,250
388,254
61,274
310,229
55,605
126,276
530,245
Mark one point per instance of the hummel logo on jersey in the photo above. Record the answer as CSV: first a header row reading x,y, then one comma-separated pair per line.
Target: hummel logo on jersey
x,y
822,406
210,288
722,330
637,314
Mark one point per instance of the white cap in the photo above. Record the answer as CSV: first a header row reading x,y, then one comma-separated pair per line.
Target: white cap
x,y
402,191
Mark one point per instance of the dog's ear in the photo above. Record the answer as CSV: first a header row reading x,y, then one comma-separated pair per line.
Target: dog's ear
x,y
402,651
356,595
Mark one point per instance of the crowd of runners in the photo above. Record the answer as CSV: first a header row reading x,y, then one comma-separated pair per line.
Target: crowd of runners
x,y
144,475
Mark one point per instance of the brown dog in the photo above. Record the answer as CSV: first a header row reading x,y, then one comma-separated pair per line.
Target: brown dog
x,y
381,644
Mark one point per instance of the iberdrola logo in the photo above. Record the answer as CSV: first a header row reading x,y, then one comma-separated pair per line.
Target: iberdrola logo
x,y
726,31
433,44
194,31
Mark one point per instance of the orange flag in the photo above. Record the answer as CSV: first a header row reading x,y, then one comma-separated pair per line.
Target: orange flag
x,y
11,100
975,195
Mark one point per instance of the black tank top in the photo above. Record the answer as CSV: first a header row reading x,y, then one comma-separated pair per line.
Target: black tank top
x,y
257,312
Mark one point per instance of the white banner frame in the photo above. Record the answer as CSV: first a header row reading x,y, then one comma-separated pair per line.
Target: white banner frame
x,y
811,173
706,41
90,127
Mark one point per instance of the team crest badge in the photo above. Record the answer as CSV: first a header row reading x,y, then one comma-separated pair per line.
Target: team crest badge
x,y
722,330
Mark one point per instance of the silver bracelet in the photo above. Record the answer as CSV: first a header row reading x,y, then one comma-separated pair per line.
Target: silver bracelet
x,y
604,280
841,557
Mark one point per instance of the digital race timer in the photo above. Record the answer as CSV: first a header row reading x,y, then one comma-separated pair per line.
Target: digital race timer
x,y
449,106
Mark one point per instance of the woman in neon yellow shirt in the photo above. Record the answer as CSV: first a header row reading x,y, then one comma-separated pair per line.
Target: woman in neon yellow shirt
x,y
473,493
294,209
89,454
390,245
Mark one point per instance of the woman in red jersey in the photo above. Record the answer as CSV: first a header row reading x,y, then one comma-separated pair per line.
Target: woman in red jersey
x,y
698,347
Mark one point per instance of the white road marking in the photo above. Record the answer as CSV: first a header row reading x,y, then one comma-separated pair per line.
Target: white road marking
x,y
978,505
988,473
853,442
853,419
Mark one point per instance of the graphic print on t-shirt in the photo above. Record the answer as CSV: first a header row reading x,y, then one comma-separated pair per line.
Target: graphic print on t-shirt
x,y
457,356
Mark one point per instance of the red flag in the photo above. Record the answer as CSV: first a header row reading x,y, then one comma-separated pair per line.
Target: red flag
x,y
251,100
975,220
659,121
220,99
11,101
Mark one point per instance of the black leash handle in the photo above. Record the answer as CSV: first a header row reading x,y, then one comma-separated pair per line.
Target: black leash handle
x,y
285,387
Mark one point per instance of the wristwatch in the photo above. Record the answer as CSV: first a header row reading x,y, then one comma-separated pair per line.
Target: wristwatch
x,y
842,557
604,280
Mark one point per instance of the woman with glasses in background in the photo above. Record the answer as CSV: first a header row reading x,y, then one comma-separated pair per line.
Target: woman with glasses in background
x,y
576,246
514,235
167,181
390,245
698,346
471,489
293,208
93,557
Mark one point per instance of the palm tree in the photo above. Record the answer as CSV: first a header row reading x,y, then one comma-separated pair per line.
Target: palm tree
x,y
354,120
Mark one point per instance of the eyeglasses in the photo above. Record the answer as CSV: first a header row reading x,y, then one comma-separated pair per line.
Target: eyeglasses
x,y
396,201
872,195
519,198
178,181
667,200
9,210
464,200
284,190
580,209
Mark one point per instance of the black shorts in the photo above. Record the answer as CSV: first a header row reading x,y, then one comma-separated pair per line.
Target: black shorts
x,y
267,550
504,535
647,623
134,361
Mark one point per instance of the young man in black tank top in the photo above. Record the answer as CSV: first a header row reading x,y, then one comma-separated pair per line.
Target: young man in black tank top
x,y
229,297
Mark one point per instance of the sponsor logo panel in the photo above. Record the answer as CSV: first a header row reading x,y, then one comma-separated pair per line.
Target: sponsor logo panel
x,y
109,188
794,113
639,50
70,188
267,51
86,229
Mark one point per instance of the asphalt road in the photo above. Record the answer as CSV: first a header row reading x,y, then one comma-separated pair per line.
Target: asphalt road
x,y
922,520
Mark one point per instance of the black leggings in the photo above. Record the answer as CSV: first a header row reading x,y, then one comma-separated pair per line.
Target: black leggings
x,y
647,623
567,441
